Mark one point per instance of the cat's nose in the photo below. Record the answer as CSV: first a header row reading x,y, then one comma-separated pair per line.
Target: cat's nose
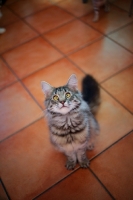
x,y
62,102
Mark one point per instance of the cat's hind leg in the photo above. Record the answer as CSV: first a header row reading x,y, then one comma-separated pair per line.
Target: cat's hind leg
x,y
93,132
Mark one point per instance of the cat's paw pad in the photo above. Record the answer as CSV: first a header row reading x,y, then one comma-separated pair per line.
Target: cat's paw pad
x,y
70,165
85,163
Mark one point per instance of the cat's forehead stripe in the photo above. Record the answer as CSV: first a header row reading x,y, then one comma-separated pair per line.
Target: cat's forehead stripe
x,y
60,89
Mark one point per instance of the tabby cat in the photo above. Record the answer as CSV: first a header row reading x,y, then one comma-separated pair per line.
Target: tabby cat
x,y
71,122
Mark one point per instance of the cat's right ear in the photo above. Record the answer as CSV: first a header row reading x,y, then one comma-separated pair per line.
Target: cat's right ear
x,y
46,88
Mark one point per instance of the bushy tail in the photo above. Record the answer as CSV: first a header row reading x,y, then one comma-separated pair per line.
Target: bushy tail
x,y
91,92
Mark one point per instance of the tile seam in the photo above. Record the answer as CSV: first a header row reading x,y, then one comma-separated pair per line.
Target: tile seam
x,y
119,7
4,188
18,131
22,84
120,45
116,100
22,17
115,74
120,28
103,186
110,146
12,48
52,186
53,29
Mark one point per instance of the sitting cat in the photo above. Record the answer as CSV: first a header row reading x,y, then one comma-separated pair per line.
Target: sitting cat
x,y
71,122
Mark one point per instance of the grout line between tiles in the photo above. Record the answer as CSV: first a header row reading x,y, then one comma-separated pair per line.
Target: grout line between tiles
x,y
122,27
43,67
75,17
5,190
68,11
12,48
113,3
53,29
120,45
42,34
74,51
115,74
106,34
8,85
22,17
63,25
11,72
56,4
102,184
20,81
111,145
34,29
31,95
78,49
56,183
15,133
88,168
9,67
52,45
85,45
76,65
10,23
116,99
35,198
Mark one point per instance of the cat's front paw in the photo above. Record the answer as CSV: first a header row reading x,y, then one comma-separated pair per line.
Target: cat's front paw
x,y
84,163
70,165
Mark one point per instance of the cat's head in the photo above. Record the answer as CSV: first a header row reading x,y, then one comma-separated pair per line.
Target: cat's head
x,y
62,99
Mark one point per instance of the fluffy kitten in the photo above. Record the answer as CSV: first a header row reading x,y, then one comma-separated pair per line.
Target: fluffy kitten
x,y
70,120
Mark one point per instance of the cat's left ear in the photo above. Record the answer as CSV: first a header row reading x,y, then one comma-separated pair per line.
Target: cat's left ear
x,y
73,82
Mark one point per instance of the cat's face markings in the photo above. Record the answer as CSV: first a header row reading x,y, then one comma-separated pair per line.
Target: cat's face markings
x,y
62,99
61,95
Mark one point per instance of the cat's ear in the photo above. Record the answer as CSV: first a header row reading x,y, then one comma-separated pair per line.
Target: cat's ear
x,y
73,82
46,88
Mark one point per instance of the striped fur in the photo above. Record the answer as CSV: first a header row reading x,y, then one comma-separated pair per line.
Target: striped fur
x,y
96,6
71,123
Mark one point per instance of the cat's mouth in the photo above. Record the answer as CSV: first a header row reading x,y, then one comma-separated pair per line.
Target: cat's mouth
x,y
63,106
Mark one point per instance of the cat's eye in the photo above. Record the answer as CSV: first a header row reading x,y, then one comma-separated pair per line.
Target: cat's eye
x,y
56,98
68,95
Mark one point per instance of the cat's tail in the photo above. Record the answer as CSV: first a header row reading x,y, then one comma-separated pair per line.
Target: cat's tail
x,y
91,93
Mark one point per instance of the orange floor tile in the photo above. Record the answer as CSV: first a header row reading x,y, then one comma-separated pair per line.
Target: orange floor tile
x,y
50,40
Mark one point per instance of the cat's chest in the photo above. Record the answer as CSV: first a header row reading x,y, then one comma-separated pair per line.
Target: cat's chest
x,y
67,124
69,121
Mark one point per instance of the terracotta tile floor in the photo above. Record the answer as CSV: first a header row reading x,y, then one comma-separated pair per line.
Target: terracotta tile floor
x,y
49,40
